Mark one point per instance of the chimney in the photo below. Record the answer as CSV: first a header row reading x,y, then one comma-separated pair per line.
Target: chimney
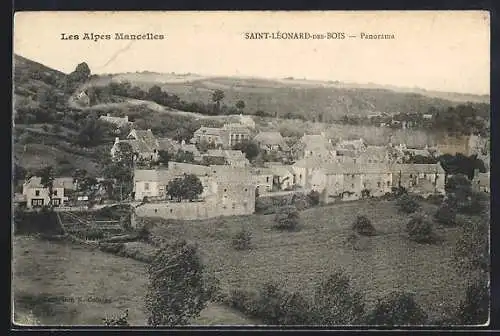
x,y
117,140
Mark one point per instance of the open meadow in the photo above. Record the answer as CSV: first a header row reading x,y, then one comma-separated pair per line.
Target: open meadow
x,y
298,260
57,283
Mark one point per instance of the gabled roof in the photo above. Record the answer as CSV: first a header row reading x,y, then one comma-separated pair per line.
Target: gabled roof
x,y
168,145
36,182
281,170
209,131
418,168
236,128
316,142
190,148
353,168
146,141
269,138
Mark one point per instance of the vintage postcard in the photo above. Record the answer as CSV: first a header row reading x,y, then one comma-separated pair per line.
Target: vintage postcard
x,y
251,168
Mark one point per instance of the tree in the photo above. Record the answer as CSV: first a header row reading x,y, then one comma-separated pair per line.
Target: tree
x,y
407,204
287,218
174,189
474,310
336,302
240,105
313,197
164,157
472,249
446,215
363,226
397,309
19,172
178,288
217,97
241,240
192,186
420,230
47,180
184,156
187,187
250,148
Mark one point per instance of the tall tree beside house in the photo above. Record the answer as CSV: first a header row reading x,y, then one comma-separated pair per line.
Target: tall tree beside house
x,y
47,180
192,187
250,148
174,189
121,169
188,187
240,105
178,288
217,97
164,157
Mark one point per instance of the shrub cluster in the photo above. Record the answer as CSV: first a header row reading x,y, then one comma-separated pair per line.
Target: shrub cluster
x,y
407,204
287,218
420,230
363,226
242,240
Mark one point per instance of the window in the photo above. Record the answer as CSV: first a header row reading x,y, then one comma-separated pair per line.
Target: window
x,y
146,186
55,192
37,202
56,201
364,184
425,175
37,192
234,205
411,175
378,184
171,210
354,160
267,179
352,185
352,175
388,183
246,189
225,190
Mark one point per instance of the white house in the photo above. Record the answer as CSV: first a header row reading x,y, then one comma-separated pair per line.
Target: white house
x,y
37,195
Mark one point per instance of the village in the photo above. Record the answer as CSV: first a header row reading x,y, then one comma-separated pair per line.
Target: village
x,y
344,170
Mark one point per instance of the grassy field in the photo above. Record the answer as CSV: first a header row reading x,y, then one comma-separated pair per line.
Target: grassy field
x,y
61,284
299,259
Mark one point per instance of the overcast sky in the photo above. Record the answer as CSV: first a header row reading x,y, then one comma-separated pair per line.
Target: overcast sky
x,y
446,51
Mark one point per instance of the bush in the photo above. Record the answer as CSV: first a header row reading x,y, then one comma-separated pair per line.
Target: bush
x,y
264,206
244,301
336,302
287,218
241,240
313,197
420,230
446,215
363,226
435,199
474,310
477,204
397,309
407,204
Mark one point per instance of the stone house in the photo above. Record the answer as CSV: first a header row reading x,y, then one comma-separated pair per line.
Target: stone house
x,y
247,121
83,98
423,179
348,181
225,137
152,183
314,145
271,141
117,121
235,158
283,176
37,196
233,191
263,178
144,145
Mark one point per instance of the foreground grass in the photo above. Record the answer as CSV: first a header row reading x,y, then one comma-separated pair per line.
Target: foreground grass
x,y
62,284
298,260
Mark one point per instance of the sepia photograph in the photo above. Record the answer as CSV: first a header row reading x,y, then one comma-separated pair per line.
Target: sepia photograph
x,y
251,168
